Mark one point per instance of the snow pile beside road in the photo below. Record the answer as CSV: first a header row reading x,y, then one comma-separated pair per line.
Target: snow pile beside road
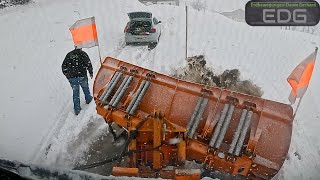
x,y
197,71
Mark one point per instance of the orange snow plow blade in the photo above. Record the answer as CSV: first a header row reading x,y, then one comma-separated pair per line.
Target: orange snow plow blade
x,y
175,121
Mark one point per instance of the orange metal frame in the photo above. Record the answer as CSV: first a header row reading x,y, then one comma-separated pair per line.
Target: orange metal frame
x,y
171,102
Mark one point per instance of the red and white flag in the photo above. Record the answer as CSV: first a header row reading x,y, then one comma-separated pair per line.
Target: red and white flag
x,y
300,77
84,33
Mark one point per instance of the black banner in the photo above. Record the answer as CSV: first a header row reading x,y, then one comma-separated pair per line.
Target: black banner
x,y
282,13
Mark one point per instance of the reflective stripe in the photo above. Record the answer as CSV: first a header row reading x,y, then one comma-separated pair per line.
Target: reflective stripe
x,y
84,33
83,22
299,78
87,44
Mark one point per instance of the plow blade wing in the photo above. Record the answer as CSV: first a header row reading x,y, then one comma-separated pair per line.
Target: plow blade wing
x,y
224,130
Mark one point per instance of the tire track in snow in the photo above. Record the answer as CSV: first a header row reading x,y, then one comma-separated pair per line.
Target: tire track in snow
x,y
56,127
147,59
137,55
64,144
134,54
153,57
117,51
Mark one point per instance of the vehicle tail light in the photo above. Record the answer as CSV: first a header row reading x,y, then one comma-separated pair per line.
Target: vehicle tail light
x,y
153,30
126,29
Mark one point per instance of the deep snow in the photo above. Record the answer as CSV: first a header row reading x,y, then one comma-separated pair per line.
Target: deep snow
x,y
37,122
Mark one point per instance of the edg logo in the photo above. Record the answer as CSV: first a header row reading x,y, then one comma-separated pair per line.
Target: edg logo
x,y
282,13
284,16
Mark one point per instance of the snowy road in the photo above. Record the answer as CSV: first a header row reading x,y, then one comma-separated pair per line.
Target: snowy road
x,y
139,54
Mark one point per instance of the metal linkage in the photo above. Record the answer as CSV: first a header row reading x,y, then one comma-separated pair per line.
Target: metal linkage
x,y
243,133
238,131
108,85
138,97
123,90
194,114
112,86
144,90
198,117
118,90
135,96
225,126
219,125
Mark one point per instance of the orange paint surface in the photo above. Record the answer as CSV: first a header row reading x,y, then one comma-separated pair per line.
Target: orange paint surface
x,y
304,80
84,33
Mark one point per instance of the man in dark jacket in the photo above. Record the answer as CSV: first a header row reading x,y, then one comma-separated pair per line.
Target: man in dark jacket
x,y
75,67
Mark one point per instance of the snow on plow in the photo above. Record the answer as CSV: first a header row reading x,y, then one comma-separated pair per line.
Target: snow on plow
x,y
170,122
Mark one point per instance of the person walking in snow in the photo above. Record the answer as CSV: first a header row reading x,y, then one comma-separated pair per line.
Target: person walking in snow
x,y
75,67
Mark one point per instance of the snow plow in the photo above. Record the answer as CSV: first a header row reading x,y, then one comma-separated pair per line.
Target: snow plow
x,y
171,122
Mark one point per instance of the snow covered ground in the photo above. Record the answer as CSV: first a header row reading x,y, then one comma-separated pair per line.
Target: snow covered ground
x,y
37,123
